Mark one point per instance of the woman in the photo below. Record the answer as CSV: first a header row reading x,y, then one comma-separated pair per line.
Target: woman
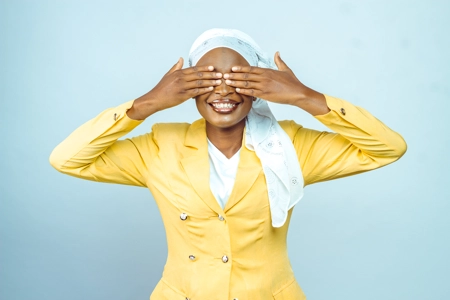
x,y
226,184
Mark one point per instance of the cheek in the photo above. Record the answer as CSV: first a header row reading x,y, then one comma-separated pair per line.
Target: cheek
x,y
248,102
201,98
200,104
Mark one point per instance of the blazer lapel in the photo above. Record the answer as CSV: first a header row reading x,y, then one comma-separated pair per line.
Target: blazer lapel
x,y
195,162
248,171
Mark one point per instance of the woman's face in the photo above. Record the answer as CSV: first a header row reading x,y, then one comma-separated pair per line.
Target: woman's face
x,y
223,108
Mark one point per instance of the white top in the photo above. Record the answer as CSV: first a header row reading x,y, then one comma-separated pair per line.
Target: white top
x,y
222,173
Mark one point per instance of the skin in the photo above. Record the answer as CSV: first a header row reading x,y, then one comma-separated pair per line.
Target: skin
x,y
224,129
223,75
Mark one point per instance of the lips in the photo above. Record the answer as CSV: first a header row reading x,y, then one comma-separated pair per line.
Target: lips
x,y
224,105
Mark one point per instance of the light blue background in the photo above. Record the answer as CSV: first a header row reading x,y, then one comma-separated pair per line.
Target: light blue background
x,y
379,235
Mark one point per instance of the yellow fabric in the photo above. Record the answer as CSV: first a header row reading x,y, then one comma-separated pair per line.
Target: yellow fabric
x,y
172,161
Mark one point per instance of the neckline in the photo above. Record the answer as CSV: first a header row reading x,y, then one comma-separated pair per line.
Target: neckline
x,y
219,155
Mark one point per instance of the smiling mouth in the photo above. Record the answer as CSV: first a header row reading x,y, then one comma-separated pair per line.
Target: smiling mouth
x,y
224,106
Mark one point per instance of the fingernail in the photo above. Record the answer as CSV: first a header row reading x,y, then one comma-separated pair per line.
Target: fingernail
x,y
218,81
238,90
210,68
219,75
210,88
228,81
235,68
226,75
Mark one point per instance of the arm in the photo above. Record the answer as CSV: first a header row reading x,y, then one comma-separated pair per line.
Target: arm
x,y
93,151
361,142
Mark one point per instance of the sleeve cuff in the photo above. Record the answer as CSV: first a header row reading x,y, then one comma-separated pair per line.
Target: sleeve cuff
x,y
339,109
119,114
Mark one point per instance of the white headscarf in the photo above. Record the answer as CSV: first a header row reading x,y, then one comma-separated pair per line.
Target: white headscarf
x,y
263,133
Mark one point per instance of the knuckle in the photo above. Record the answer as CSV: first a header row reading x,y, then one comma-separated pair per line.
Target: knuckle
x,y
199,74
199,82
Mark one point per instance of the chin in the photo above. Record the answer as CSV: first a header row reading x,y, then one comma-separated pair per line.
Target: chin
x,y
225,124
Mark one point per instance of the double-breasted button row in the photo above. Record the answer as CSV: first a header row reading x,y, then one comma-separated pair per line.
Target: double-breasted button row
x,y
184,216
225,258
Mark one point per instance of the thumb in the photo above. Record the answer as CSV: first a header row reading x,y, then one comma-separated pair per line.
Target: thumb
x,y
177,66
281,65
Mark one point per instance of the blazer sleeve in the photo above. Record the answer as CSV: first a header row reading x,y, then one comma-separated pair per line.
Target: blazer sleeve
x,y
360,143
93,151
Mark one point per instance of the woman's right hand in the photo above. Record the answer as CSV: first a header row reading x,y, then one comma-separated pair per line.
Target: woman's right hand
x,y
177,86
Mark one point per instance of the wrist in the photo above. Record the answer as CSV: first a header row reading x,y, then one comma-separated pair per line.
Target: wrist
x,y
312,102
142,108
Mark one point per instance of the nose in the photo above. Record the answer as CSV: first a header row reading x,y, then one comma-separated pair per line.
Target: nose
x,y
223,89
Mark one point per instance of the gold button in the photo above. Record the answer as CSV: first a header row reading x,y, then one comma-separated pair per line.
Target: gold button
x,y
221,218
343,111
191,257
224,259
183,216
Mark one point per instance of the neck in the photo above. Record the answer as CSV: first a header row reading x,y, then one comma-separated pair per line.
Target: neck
x,y
227,140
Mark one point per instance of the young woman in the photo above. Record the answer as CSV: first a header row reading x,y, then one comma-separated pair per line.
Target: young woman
x,y
226,184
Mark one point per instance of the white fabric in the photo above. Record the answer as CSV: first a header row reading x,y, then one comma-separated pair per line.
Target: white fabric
x,y
222,173
263,133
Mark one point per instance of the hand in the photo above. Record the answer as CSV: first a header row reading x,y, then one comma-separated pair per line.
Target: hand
x,y
176,86
278,86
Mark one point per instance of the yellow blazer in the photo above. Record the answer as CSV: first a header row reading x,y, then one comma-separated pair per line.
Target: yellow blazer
x,y
215,253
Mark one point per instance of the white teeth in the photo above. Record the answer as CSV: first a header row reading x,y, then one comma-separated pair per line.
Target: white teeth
x,y
224,105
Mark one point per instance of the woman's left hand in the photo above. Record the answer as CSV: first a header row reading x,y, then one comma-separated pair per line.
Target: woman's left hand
x,y
279,86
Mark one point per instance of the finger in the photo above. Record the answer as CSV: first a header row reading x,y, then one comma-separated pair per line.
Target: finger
x,y
196,69
249,92
247,69
177,66
192,93
243,76
202,75
281,65
245,84
201,83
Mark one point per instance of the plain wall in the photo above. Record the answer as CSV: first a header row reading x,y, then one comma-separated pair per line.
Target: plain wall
x,y
379,235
